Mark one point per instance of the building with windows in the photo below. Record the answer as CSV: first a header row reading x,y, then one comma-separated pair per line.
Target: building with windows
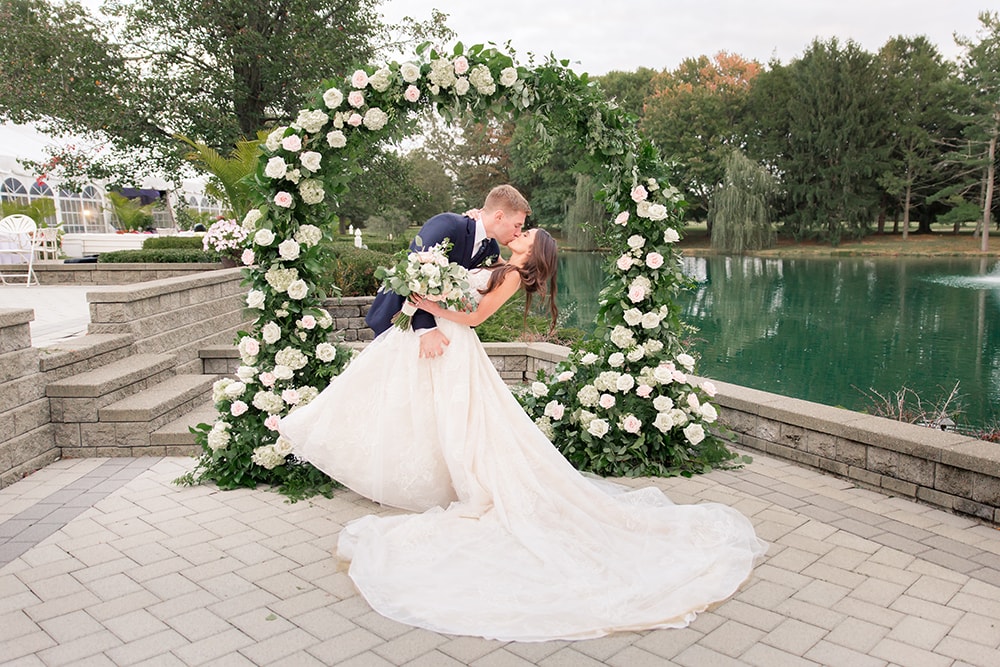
x,y
86,211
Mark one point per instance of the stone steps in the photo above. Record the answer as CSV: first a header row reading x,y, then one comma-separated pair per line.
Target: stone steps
x,y
177,433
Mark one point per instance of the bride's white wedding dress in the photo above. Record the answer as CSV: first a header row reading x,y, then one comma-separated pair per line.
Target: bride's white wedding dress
x,y
512,543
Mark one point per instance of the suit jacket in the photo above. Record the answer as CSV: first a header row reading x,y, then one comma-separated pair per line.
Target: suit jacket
x,y
461,231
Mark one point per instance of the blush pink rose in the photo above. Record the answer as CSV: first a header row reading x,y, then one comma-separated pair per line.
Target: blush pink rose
x,y
359,79
238,408
636,294
251,346
356,99
709,388
624,263
268,379
355,120
308,322
292,142
412,94
272,422
607,401
283,199
290,396
461,65
643,391
654,260
639,194
622,218
247,257
632,424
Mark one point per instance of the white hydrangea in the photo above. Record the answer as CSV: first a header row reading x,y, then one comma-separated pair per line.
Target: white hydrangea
x,y
251,218
269,402
312,120
279,279
588,395
307,394
324,319
544,425
375,119
622,337
219,436
442,73
267,457
482,79
219,389
273,141
309,235
291,357
312,191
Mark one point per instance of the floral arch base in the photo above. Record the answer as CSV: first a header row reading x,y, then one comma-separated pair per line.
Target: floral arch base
x,y
624,405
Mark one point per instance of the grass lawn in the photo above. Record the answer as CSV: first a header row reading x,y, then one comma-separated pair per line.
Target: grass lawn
x,y
942,242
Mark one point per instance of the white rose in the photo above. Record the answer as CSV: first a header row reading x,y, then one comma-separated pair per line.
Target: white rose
x,y
263,237
616,359
650,321
555,410
271,332
380,80
695,433
461,86
359,79
589,358
288,249
283,372
633,316
663,403
635,354
686,360
273,141
298,290
636,241
598,428
235,389
663,422
539,389
508,76
326,352
708,412
336,139
410,72
693,402
276,167
671,236
333,98
311,159
255,299
625,382
657,212
708,388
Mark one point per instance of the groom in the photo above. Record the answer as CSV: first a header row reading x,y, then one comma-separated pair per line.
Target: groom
x,y
474,243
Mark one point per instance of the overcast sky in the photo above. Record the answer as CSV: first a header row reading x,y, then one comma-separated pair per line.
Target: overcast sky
x,y
599,36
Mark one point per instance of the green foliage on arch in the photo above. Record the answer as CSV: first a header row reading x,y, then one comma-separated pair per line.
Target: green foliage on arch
x,y
623,406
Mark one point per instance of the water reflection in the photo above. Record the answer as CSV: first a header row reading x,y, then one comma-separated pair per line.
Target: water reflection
x,y
827,329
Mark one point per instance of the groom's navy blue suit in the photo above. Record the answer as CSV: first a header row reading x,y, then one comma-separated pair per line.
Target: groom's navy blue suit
x,y
461,231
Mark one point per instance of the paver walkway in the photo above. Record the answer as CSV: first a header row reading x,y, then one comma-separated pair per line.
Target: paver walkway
x,y
106,562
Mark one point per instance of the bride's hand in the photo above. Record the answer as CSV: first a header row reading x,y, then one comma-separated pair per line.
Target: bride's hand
x,y
427,305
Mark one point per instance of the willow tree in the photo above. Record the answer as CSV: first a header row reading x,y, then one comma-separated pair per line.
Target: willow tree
x,y
742,206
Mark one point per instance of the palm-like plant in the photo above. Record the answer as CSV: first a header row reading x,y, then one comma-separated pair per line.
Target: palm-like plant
x,y
131,214
37,209
229,182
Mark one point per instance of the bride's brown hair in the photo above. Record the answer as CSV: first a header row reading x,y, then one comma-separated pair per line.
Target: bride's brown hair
x,y
538,275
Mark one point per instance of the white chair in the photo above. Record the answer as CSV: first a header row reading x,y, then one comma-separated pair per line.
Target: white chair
x,y
19,240
48,245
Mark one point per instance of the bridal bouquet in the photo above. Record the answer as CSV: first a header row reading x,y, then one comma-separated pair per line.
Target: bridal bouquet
x,y
429,274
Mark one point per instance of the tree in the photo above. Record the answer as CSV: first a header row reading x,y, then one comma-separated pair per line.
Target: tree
x,y
837,142
132,215
216,71
230,182
742,206
586,218
629,90
694,117
433,187
917,85
981,74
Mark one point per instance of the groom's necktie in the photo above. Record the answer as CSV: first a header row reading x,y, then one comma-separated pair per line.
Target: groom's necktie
x,y
480,253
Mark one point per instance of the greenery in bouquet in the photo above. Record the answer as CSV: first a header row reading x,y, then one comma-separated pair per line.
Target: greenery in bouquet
x,y
427,273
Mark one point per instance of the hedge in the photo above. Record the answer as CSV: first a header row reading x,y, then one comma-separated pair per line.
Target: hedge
x,y
158,256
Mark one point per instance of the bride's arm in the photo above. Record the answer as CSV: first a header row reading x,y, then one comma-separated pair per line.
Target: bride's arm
x,y
488,305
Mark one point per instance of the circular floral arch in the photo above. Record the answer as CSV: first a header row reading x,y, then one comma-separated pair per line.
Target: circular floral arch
x,y
624,405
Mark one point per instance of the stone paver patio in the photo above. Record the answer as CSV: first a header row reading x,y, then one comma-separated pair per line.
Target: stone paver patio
x,y
107,562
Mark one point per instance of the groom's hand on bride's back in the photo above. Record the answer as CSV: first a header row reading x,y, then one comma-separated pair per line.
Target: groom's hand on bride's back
x,y
432,344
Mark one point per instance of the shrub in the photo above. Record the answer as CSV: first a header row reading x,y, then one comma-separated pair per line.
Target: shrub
x,y
158,256
353,270
164,242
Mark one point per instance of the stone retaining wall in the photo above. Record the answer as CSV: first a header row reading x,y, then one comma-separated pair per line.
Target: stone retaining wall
x,y
58,273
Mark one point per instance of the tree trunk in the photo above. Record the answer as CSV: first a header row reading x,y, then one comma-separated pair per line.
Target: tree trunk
x,y
906,210
990,176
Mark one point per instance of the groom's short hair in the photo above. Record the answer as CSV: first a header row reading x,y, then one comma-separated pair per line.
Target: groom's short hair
x,y
506,198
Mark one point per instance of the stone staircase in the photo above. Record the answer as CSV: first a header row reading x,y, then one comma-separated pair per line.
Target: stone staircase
x,y
134,406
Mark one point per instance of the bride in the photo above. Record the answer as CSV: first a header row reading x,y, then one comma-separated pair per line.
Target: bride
x,y
504,539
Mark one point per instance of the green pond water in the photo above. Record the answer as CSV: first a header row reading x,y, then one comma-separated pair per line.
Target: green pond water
x,y
833,330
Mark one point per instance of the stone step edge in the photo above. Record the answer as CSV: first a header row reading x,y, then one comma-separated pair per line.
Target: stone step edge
x,y
159,399
111,377
178,432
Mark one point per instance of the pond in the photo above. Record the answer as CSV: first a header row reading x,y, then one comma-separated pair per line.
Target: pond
x,y
835,330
